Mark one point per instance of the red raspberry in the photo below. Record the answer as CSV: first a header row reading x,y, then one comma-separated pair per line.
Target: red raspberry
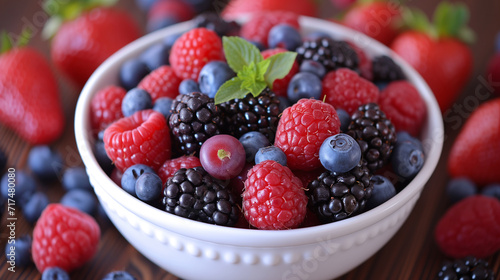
x,y
64,237
169,167
259,25
470,227
345,89
403,105
302,129
273,197
280,86
193,50
106,107
162,82
143,138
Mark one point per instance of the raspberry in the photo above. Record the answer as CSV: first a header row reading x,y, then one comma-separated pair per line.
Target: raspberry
x,y
170,166
162,82
302,129
143,138
259,25
273,197
404,106
470,227
280,86
106,107
193,50
345,89
64,237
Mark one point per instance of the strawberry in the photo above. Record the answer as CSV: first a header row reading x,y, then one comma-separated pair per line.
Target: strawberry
x,y
29,95
375,19
474,153
444,61
64,237
83,43
301,7
470,227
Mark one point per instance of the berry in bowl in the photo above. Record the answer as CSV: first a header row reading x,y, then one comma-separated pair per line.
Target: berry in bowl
x,y
299,159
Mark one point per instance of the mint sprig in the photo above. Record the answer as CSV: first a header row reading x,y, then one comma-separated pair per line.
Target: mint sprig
x,y
253,72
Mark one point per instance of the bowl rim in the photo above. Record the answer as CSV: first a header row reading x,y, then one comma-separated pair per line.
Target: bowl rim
x,y
433,136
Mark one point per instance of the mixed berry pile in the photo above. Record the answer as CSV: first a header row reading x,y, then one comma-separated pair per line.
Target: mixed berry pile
x,y
260,126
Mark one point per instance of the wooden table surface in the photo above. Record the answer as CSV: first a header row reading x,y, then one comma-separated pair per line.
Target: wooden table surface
x,y
411,254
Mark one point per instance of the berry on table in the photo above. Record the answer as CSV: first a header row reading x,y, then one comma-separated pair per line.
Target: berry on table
x,y
106,107
148,187
136,100
19,250
460,188
304,85
284,36
252,141
34,207
132,72
492,190
270,153
339,153
465,268
162,82
188,86
82,200
164,13
3,159
302,129
222,156
64,237
383,190
119,275
45,162
407,159
143,138
25,187
170,166
213,75
314,67
273,198
76,178
54,273
130,176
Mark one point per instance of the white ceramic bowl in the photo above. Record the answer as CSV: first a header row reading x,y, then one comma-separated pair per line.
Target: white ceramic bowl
x,y
195,250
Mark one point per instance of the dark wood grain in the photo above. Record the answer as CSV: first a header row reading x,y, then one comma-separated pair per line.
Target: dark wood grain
x,y
411,254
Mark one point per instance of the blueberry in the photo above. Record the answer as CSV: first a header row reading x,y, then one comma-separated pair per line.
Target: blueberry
x,y
132,72
35,206
304,85
145,5
158,23
170,40
155,56
81,200
213,75
270,153
407,159
313,67
46,163
188,86
316,35
76,178
383,190
252,141
284,103
24,187
381,85
136,100
492,190
163,105
345,119
118,275
130,176
460,188
148,186
497,43
54,273
3,159
339,153
284,36
20,250
101,156
403,136
258,45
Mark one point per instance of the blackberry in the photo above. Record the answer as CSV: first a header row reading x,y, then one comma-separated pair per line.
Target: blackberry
x,y
194,119
251,113
194,194
331,53
216,23
386,70
375,134
466,268
336,196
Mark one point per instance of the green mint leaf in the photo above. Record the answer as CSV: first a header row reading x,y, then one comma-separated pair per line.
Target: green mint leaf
x,y
230,90
239,53
279,66
248,73
6,42
262,68
257,88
